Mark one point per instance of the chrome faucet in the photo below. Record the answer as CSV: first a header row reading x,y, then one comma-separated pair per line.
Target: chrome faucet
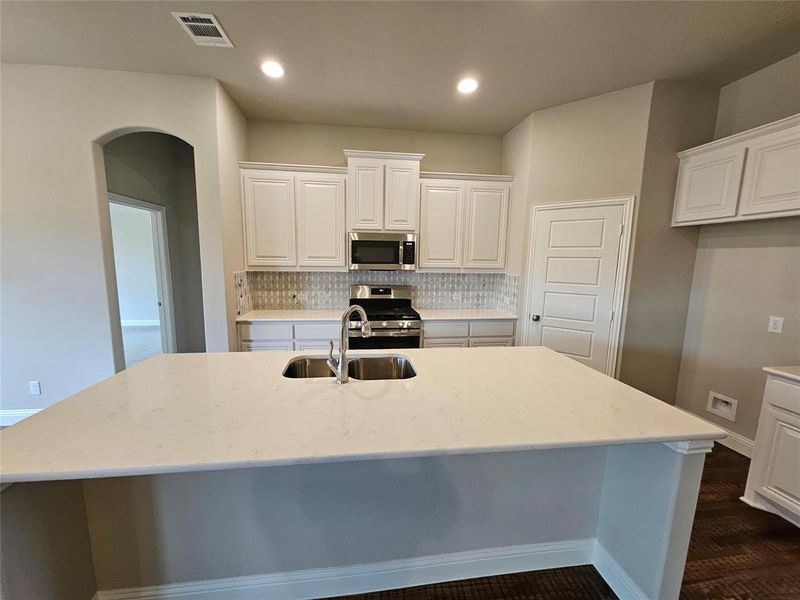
x,y
339,365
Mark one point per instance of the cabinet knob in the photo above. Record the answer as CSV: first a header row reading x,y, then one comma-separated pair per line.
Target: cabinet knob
x,y
535,317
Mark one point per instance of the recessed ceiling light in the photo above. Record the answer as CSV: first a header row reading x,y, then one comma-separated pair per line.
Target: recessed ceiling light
x,y
273,69
467,86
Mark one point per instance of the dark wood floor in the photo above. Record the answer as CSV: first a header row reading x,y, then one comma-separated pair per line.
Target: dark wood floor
x,y
736,553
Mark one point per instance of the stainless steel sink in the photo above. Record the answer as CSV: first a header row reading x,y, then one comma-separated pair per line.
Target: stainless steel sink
x,y
380,367
303,367
364,368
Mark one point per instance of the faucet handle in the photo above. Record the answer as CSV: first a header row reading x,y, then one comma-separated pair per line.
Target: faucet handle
x,y
366,329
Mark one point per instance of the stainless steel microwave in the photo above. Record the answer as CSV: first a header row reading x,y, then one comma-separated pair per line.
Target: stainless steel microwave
x,y
382,251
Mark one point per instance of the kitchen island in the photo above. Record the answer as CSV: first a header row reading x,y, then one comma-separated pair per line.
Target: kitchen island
x,y
213,472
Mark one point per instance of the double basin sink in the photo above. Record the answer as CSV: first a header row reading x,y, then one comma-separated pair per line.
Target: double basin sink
x,y
358,367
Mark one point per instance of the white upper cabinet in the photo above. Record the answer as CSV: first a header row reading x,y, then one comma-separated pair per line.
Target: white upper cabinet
x,y
441,224
708,185
402,195
294,216
365,183
750,175
320,220
771,181
486,225
464,222
382,191
268,198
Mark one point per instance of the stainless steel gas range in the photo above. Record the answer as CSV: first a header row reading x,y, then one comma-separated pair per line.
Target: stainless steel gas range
x,y
394,322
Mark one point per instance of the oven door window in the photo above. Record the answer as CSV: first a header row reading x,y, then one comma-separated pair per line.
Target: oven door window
x,y
375,252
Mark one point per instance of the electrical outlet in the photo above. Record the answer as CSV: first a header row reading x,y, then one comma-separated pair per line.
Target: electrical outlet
x,y
722,406
34,388
775,325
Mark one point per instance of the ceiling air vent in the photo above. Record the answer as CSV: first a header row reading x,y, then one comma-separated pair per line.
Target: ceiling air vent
x,y
204,30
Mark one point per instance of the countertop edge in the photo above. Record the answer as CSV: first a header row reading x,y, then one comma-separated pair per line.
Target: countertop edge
x,y
315,460
457,315
783,372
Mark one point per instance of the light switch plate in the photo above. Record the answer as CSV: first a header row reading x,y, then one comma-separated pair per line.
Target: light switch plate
x,y
34,388
775,325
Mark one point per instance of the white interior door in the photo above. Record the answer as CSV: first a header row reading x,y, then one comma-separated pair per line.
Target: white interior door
x,y
573,268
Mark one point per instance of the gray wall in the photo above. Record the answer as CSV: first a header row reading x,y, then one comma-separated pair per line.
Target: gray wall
x,y
681,116
310,144
268,520
46,553
55,273
744,273
159,168
762,97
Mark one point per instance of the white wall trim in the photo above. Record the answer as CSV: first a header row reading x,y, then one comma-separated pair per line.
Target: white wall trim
x,y
291,167
464,176
140,322
15,415
623,266
615,576
340,581
735,441
383,155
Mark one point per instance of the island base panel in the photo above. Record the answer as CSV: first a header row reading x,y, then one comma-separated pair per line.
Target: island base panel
x,y
331,529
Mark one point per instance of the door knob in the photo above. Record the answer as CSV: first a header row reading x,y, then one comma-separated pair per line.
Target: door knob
x,y
535,317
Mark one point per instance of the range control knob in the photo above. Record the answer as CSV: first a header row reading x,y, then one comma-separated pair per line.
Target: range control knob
x,y
385,323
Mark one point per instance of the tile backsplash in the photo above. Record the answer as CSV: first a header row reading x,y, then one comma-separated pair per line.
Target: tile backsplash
x,y
263,290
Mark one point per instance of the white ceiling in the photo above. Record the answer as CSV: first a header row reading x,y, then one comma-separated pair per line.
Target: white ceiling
x,y
396,64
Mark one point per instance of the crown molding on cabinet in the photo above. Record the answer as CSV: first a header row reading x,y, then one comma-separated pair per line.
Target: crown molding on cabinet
x,y
464,176
288,167
743,136
382,155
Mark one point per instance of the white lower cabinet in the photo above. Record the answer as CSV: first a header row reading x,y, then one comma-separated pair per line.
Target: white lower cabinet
x,y
445,343
491,342
464,334
260,336
773,483
266,345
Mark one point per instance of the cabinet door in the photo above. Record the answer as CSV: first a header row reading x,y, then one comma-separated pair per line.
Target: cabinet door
x,y
268,198
487,223
708,185
365,183
771,181
445,343
775,468
402,195
272,346
441,224
491,342
320,220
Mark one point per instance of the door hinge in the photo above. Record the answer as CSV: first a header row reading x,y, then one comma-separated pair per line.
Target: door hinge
x,y
612,314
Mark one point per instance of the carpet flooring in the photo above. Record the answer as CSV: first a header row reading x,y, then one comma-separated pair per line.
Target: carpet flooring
x,y
140,343
736,553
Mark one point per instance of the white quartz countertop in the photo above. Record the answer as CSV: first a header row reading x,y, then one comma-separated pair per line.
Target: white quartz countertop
x,y
290,315
790,372
194,412
427,314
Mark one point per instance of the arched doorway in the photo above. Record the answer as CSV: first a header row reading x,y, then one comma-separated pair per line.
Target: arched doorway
x,y
152,207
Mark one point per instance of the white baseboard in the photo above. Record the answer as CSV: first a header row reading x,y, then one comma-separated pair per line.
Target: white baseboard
x,y
140,322
615,576
340,581
15,415
735,441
